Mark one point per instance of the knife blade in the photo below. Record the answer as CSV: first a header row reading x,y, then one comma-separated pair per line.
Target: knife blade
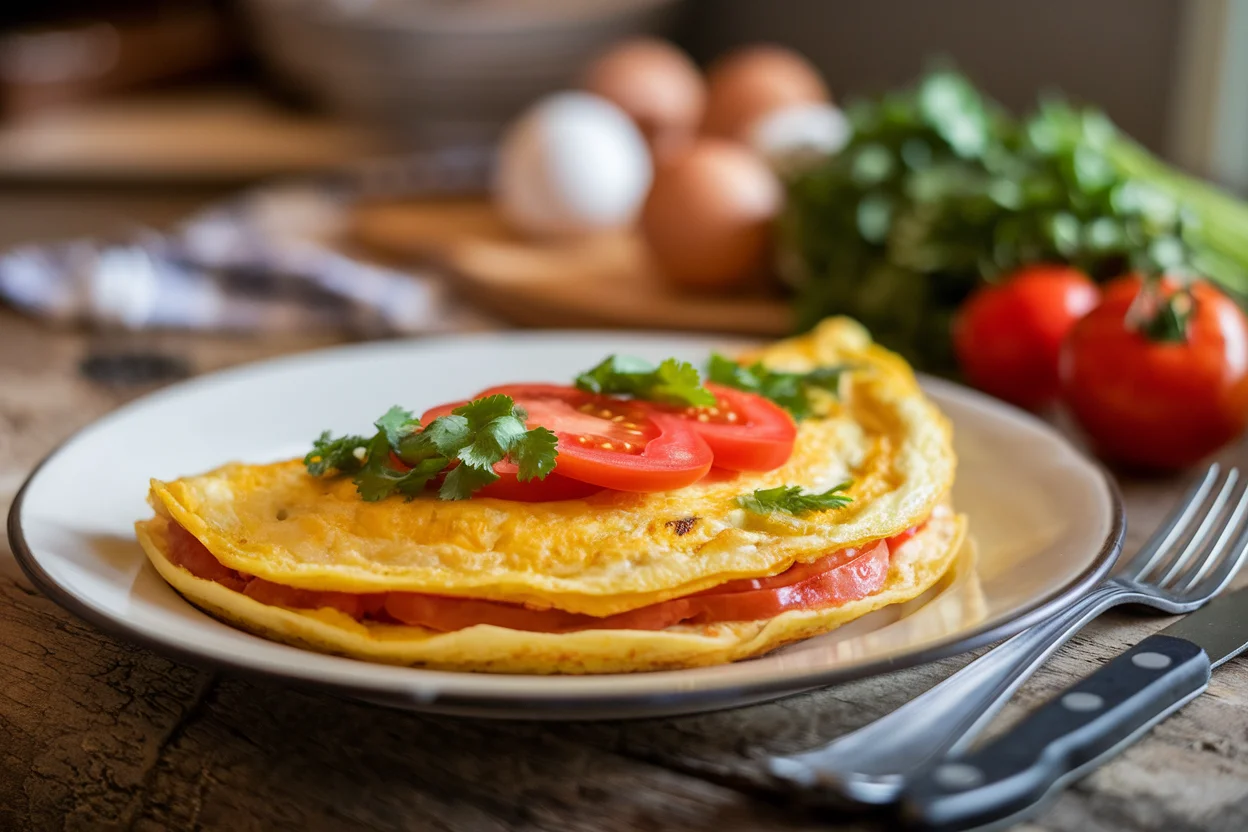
x,y
1089,722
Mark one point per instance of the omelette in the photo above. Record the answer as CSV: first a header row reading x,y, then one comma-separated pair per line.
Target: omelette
x,y
604,582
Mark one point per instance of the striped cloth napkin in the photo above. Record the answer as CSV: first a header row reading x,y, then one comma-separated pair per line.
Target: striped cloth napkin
x,y
263,262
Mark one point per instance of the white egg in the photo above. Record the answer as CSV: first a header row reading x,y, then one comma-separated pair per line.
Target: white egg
x,y
574,163
796,136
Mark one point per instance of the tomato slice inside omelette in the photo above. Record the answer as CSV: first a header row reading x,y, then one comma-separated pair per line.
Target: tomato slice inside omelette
x,y
837,578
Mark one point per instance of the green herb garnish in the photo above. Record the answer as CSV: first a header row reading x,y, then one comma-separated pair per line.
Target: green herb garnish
x,y
792,391
397,424
790,499
940,190
335,454
464,446
379,477
671,382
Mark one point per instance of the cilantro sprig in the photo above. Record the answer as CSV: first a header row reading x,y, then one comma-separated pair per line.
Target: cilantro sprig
x,y
671,382
343,453
792,391
678,383
791,499
462,447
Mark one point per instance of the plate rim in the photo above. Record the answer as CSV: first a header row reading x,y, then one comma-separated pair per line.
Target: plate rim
x,y
574,704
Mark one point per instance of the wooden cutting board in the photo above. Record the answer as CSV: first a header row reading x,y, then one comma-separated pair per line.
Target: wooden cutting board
x,y
606,280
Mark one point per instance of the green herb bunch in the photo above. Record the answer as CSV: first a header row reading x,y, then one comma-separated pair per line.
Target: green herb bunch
x,y
940,190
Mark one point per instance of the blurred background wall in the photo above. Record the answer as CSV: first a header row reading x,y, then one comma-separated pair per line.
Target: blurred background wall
x,y
182,95
1172,73
1121,54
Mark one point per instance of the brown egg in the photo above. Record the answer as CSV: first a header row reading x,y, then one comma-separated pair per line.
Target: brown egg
x,y
657,85
708,217
745,85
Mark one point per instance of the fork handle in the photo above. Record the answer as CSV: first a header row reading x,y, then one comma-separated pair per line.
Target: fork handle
x,y
873,764
1068,736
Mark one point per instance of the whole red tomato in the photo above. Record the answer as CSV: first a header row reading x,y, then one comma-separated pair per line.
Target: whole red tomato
x,y
1008,336
1152,399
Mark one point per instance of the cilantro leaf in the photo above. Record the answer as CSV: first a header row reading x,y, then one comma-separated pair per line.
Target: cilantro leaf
x,y
465,445
413,483
462,480
679,382
496,426
329,454
729,373
790,499
398,424
534,453
480,412
379,477
671,382
444,436
792,391
492,442
614,372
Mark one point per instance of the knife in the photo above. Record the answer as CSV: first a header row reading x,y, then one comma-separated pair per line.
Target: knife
x,y
1011,777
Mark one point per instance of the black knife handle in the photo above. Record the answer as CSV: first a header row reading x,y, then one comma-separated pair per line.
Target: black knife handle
x,y
1064,738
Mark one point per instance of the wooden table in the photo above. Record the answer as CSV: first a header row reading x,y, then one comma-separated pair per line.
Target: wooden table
x,y
97,734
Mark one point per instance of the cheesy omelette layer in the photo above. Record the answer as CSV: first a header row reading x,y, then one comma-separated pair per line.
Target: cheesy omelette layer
x,y
605,554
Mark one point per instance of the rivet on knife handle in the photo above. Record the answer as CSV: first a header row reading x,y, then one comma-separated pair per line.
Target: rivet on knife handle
x,y
1064,739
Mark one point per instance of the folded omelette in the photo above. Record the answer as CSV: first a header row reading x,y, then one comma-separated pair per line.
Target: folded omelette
x,y
304,560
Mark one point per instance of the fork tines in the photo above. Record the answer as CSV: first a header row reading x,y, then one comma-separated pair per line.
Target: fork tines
x,y
1202,544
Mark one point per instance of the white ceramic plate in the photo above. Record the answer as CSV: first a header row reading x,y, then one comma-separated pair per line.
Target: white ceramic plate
x,y
1046,521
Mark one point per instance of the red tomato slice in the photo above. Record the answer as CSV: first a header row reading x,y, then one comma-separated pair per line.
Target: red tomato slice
x,y
837,579
356,605
843,576
746,432
184,549
611,443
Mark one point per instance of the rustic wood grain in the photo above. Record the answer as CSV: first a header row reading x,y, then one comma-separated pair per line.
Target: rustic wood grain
x,y
96,734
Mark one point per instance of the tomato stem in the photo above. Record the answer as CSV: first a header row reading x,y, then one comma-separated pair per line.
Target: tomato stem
x,y
1160,318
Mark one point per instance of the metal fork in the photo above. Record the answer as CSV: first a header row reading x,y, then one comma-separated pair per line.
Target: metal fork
x,y
1192,557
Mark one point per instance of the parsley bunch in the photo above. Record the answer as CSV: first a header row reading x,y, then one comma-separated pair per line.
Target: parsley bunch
x,y
790,499
940,190
792,391
464,445
671,382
